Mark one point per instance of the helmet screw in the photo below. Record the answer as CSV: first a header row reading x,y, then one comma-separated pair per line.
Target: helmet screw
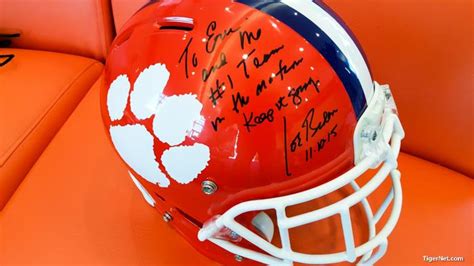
x,y
167,217
388,95
208,187
238,258
234,235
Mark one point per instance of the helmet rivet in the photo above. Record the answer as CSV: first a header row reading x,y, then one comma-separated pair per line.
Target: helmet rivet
x,y
208,187
238,258
234,235
167,217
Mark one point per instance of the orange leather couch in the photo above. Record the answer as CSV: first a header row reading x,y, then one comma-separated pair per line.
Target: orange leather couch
x,y
78,206
58,57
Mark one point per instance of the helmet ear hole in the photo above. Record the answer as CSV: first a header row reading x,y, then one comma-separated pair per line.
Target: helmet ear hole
x,y
264,225
176,23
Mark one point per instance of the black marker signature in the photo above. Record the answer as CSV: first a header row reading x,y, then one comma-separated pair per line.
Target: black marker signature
x,y
185,56
287,168
281,103
282,71
260,87
239,101
213,38
266,57
217,93
217,122
231,82
207,73
253,121
248,37
311,127
322,143
258,63
295,93
244,64
296,142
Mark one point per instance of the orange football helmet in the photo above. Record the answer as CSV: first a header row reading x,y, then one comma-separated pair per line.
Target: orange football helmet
x,y
228,113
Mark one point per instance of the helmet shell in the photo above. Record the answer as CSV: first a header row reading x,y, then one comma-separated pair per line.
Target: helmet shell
x,y
226,94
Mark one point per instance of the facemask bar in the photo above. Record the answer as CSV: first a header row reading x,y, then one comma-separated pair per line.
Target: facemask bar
x,y
377,142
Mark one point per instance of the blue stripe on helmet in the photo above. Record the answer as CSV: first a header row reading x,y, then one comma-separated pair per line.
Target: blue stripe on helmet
x,y
320,41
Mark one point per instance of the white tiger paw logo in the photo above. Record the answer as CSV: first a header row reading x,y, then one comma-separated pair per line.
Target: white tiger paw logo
x,y
175,117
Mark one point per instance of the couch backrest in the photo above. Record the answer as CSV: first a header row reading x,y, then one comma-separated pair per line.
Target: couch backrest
x,y
427,58
124,9
82,27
